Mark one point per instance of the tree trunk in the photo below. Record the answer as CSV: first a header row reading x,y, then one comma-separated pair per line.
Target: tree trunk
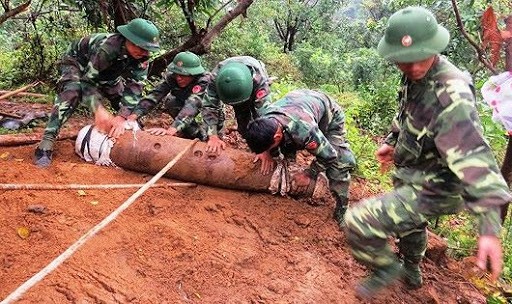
x,y
199,43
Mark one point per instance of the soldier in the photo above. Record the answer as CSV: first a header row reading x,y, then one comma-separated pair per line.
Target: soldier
x,y
183,90
241,82
442,160
99,66
306,119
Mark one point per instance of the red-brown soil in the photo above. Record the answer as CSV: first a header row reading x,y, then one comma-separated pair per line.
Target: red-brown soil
x,y
182,245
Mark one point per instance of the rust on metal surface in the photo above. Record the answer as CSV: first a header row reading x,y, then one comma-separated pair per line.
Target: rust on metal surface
x,y
232,169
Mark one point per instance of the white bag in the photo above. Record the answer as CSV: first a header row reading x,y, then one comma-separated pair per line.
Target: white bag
x,y
93,146
497,92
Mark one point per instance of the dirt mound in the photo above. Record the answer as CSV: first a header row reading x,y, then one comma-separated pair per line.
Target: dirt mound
x,y
181,245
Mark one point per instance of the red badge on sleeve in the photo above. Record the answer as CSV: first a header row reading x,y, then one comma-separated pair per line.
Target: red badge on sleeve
x,y
312,145
261,93
196,89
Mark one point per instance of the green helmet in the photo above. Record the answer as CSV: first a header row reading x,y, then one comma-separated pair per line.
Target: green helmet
x,y
412,34
142,33
234,83
186,63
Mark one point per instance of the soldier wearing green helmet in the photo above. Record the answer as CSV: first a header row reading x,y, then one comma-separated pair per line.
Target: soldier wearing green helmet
x,y
241,82
101,66
442,161
181,91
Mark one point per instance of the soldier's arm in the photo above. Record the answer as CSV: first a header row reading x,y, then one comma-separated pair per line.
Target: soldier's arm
x,y
191,107
133,89
459,139
393,135
318,145
149,102
211,108
262,94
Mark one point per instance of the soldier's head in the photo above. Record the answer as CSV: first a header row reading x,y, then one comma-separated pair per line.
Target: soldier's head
x,y
263,133
141,36
412,40
234,83
185,66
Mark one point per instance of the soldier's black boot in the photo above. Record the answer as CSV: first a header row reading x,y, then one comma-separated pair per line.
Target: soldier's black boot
x,y
412,249
411,275
42,158
379,279
340,209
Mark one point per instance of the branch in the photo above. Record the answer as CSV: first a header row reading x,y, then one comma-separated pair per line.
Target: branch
x,y
215,13
15,11
188,16
480,52
238,10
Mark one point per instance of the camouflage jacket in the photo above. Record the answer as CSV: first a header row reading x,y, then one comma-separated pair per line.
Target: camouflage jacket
x,y
308,119
260,96
188,98
104,60
439,146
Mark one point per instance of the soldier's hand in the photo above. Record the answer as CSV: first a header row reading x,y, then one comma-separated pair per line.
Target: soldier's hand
x,y
489,249
215,145
103,120
385,157
267,162
118,127
300,182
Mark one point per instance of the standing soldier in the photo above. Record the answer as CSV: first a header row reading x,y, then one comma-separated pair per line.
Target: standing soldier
x,y
241,82
306,119
182,90
442,160
99,66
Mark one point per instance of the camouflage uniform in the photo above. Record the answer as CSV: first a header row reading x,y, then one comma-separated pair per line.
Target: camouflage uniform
x,y
313,121
442,163
183,104
95,67
244,112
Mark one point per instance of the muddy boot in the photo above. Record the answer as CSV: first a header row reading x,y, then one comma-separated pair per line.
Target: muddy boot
x,y
42,158
379,279
340,209
411,275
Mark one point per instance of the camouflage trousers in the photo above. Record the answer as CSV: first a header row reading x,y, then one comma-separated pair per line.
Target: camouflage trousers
x,y
73,92
396,214
338,173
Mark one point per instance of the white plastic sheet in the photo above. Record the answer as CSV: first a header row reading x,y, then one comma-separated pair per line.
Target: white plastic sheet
x,y
497,92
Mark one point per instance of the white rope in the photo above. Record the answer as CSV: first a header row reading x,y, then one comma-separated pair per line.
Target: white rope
x,y
87,187
66,254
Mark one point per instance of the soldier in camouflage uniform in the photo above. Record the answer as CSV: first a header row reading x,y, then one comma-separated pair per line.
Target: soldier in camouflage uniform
x,y
310,120
99,66
241,82
442,161
182,91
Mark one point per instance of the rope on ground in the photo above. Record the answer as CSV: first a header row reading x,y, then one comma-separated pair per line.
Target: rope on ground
x,y
88,187
15,295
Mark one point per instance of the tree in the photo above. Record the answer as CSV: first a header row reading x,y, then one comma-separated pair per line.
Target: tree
x,y
10,12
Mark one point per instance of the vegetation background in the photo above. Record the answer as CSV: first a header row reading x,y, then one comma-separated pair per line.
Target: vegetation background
x,y
328,45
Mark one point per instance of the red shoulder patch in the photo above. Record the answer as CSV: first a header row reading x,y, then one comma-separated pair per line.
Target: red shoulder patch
x,y
196,89
312,145
261,93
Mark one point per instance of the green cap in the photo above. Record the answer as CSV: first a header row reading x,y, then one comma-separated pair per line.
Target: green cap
x,y
186,63
412,34
234,83
141,32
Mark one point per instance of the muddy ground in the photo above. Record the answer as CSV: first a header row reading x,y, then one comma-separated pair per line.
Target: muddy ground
x,y
181,245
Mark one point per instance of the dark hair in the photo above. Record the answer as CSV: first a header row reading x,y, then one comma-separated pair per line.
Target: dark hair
x,y
260,134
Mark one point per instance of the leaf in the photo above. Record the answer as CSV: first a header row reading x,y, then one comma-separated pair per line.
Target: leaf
x,y
23,232
491,34
81,193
